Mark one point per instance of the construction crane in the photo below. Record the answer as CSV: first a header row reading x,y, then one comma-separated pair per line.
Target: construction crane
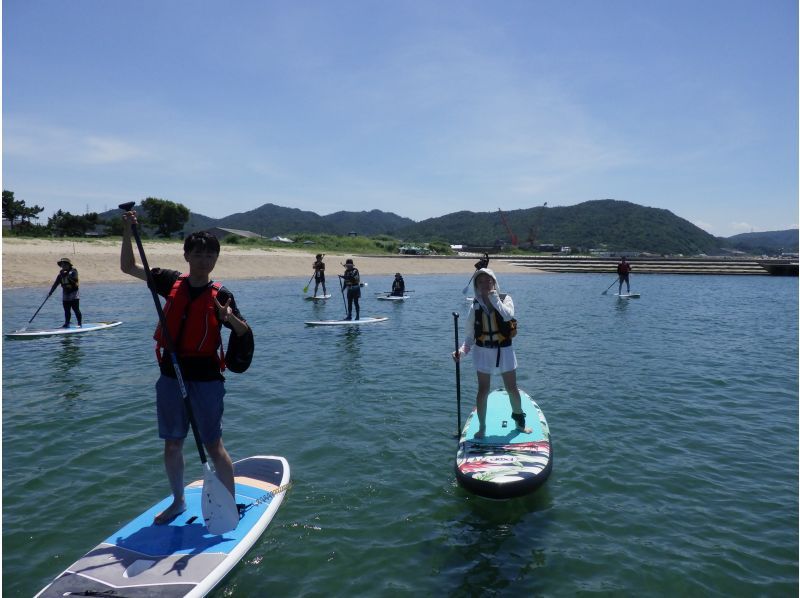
x,y
534,230
514,240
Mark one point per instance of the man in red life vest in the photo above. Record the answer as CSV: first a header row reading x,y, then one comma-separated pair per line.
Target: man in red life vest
x,y
195,311
623,271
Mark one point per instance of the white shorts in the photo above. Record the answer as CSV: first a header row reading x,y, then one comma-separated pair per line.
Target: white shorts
x,y
485,359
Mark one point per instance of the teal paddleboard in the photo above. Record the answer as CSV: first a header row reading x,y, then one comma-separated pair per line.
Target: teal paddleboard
x,y
506,462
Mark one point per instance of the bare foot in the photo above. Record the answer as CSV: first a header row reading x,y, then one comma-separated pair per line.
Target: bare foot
x,y
480,433
170,513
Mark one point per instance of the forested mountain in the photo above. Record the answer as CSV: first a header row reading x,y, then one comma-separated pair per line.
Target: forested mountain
x,y
766,242
598,224
269,220
605,223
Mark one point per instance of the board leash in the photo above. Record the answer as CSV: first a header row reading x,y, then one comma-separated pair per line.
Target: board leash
x,y
243,508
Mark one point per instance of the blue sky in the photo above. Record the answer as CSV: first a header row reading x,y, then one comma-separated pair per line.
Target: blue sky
x,y
419,107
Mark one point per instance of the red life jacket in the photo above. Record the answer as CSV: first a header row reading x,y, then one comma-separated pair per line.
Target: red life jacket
x,y
193,325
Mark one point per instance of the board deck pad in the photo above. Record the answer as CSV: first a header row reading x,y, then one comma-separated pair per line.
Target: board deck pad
x,y
180,558
318,297
507,462
73,329
347,322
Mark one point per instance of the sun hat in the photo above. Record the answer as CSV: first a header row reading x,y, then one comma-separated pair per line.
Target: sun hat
x,y
64,260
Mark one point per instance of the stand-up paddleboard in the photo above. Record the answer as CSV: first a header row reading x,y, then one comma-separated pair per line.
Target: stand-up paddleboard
x,y
393,297
347,322
628,295
318,298
506,462
180,558
73,329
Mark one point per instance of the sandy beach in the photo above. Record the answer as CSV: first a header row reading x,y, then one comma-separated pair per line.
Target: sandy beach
x,y
32,262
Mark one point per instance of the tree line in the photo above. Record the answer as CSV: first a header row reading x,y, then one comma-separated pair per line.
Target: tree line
x,y
157,217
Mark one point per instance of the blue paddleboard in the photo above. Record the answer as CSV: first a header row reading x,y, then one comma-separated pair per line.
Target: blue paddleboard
x,y
180,558
507,462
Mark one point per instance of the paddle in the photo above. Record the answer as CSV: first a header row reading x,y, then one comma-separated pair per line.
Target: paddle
x,y
37,311
344,301
219,507
482,263
458,375
305,288
609,286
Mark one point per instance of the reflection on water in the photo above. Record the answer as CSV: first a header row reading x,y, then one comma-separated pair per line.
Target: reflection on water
x,y
67,359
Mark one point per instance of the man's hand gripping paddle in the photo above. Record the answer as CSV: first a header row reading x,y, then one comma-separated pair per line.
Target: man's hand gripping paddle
x,y
219,507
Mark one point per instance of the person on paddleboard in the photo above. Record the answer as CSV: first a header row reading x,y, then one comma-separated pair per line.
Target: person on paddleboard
x,y
351,281
398,286
490,326
70,293
196,309
624,271
319,274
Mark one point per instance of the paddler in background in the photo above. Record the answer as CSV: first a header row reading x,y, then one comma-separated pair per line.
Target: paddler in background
x,y
398,286
196,309
351,281
70,294
624,271
488,336
319,274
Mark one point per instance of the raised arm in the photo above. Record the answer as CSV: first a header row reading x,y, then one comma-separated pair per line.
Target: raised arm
x,y
127,258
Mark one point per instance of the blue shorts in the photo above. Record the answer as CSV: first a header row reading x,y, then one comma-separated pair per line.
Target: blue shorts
x,y
207,407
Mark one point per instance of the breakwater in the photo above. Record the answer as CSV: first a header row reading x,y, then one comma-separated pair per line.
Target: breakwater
x,y
641,265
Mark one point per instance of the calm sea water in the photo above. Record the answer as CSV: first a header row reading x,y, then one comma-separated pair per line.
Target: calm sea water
x,y
674,421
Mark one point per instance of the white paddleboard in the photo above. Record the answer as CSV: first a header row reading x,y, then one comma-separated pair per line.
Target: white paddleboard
x,y
346,322
180,558
73,329
628,295
393,297
318,298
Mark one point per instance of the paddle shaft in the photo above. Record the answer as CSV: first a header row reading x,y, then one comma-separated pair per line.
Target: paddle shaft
x,y
167,337
40,307
611,285
458,375
305,288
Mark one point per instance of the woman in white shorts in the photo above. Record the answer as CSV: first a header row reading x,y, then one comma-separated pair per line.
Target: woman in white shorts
x,y
488,337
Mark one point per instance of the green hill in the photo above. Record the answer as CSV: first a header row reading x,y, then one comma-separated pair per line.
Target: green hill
x,y
605,223
766,242
269,220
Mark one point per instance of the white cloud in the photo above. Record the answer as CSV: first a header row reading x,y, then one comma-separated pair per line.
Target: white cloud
x,y
46,143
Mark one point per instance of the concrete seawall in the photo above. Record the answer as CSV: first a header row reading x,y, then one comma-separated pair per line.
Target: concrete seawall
x,y
643,265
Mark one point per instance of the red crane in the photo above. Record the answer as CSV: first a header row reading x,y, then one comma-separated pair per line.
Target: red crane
x,y
514,240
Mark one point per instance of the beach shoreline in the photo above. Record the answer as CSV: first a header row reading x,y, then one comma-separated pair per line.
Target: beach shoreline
x,y
32,262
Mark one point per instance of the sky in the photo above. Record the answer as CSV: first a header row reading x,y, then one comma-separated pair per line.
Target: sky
x,y
417,107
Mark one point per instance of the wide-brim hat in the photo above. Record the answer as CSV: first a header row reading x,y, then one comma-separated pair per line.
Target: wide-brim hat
x,y
64,260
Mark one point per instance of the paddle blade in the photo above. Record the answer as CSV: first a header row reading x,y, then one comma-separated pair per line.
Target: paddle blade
x,y
305,289
219,506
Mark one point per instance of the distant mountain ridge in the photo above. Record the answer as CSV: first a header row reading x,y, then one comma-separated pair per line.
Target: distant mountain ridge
x,y
787,240
603,224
